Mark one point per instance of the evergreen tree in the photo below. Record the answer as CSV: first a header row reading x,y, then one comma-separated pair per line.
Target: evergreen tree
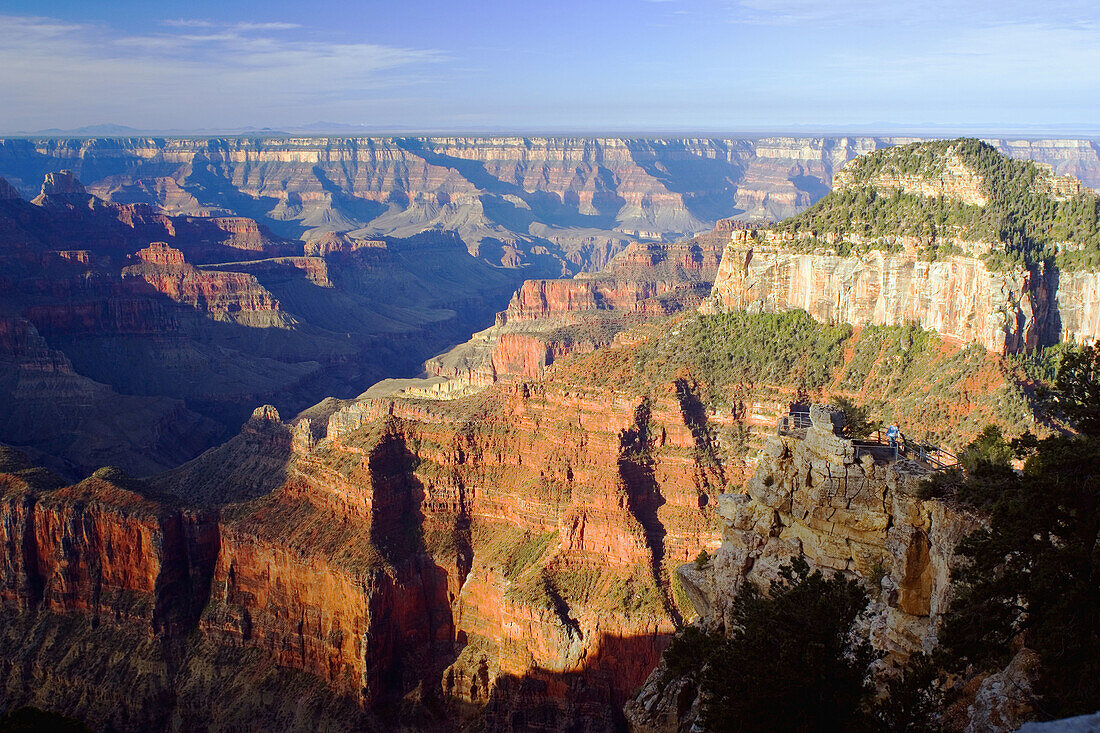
x,y
1033,575
790,663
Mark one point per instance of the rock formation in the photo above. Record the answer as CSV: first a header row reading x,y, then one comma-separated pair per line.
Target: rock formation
x,y
404,551
216,314
224,296
579,199
843,508
549,319
958,297
507,557
957,277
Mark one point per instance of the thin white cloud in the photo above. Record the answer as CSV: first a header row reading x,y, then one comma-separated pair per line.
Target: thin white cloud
x,y
201,23
64,74
266,26
187,23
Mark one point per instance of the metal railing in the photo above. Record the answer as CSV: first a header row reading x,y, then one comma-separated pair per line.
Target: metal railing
x,y
932,455
794,421
878,446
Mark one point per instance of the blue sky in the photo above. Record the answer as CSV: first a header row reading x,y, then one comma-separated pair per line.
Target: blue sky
x,y
566,65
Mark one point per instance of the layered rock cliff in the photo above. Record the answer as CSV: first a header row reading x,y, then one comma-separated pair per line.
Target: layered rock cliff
x,y
958,297
549,319
844,509
219,313
946,235
511,198
505,559
410,554
224,296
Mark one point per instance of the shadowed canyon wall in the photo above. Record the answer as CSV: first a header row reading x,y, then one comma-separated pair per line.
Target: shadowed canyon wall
x,y
412,551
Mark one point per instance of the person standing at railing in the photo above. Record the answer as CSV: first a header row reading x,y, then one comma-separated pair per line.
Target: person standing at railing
x,y
892,433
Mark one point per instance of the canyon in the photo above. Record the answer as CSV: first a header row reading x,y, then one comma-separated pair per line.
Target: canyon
x,y
566,203
193,321
507,557
506,541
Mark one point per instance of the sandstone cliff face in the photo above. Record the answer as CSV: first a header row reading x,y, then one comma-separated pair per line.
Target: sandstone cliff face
x,y
509,556
958,297
225,296
1006,311
816,495
389,561
1074,310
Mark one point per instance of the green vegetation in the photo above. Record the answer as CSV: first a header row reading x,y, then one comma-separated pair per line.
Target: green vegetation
x,y
1032,576
727,349
1021,214
907,373
938,392
597,328
789,664
989,448
630,591
858,418
1076,392
1041,365
527,552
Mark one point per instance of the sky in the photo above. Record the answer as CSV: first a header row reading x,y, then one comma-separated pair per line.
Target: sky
x,y
551,66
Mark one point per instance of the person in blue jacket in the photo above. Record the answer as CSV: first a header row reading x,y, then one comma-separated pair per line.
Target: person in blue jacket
x,y
892,433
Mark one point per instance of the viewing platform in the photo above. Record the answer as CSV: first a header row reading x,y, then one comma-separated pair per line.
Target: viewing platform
x,y
823,417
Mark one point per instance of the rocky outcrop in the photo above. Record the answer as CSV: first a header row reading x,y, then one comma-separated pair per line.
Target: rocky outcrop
x,y
1073,313
159,253
843,508
224,296
549,319
952,179
62,183
336,243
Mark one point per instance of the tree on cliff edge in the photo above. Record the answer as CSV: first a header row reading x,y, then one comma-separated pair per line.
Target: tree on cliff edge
x,y
789,664
1033,575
